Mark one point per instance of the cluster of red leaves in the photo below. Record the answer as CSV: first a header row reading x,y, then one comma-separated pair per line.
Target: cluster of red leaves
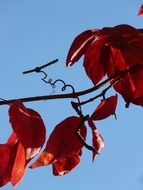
x,y
110,51
25,142
63,149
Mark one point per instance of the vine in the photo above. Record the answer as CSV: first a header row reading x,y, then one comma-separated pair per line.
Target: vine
x,y
112,52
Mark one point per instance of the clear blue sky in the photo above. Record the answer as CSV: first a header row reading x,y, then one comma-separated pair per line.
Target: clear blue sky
x,y
33,32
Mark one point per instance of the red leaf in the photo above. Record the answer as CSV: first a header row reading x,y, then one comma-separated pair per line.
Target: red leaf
x,y
96,61
12,161
79,45
140,12
119,36
12,139
127,57
118,60
106,108
7,152
97,140
28,126
131,88
64,165
62,143
19,165
126,45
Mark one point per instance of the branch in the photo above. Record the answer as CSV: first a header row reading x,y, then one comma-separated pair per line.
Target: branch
x,y
38,69
118,76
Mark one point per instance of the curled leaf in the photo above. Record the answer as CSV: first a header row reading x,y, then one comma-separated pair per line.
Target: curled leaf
x,y
105,109
97,140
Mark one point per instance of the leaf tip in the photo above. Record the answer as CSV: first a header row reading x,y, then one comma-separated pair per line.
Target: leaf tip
x,y
140,12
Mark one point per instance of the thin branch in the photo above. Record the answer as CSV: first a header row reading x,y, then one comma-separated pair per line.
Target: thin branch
x,y
132,70
38,69
102,94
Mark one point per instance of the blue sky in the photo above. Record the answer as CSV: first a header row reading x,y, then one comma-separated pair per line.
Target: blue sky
x,y
33,32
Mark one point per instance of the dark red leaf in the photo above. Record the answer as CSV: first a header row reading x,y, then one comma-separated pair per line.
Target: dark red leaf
x,y
97,140
126,58
131,88
119,36
105,109
79,45
28,126
7,152
96,61
126,45
140,12
118,60
63,142
140,30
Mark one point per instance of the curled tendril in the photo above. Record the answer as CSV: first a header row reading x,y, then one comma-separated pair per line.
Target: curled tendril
x,y
64,87
45,76
53,84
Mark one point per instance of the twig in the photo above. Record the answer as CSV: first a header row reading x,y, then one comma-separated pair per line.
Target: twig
x,y
102,94
82,140
38,69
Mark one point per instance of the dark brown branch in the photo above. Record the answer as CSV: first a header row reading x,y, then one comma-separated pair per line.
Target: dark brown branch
x,y
102,94
80,93
75,105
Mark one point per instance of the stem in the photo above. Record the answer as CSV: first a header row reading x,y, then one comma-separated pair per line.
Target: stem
x,y
102,94
118,76
82,140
